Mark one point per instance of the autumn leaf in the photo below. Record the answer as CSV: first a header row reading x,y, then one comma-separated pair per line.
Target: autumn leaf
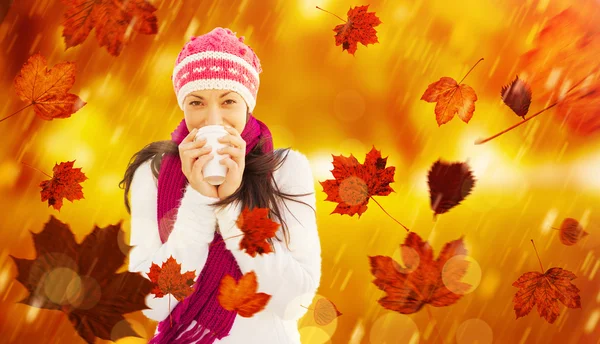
x,y
325,312
257,228
449,184
517,96
355,183
116,22
47,90
571,231
64,184
545,290
241,296
422,280
81,280
452,98
360,28
168,279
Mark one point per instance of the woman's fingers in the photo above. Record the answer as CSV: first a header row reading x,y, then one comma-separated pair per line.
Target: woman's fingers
x,y
235,153
201,161
190,136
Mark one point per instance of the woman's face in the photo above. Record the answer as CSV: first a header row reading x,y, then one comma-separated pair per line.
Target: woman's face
x,y
215,107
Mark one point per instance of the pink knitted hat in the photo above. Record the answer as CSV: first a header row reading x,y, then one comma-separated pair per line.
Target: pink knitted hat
x,y
217,60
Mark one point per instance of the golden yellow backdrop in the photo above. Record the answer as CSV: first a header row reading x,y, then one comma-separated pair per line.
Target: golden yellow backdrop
x,y
323,101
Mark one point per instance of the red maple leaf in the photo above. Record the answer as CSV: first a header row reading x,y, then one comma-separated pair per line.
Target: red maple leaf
x,y
168,279
47,90
241,296
257,228
355,183
449,184
115,21
360,28
81,280
423,280
64,184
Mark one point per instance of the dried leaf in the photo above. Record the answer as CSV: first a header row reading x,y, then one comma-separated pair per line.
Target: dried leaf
x,y
449,184
241,296
168,279
325,312
360,28
411,287
81,280
355,183
48,89
571,232
451,99
545,290
517,95
115,22
257,228
64,184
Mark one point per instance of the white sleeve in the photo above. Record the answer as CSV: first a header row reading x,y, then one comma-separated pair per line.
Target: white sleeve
x,y
291,276
188,243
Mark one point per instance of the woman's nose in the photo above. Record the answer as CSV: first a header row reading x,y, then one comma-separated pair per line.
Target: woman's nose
x,y
214,117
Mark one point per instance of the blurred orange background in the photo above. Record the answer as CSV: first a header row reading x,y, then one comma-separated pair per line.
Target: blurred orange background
x,y
321,101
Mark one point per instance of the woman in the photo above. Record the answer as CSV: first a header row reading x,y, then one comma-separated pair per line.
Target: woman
x,y
175,212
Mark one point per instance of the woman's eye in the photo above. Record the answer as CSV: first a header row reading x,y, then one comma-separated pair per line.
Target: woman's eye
x,y
194,102
230,100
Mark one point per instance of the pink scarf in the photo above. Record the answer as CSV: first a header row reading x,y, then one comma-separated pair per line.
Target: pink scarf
x,y
213,321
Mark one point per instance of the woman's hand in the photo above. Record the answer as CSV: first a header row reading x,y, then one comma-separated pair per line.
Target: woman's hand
x,y
236,162
194,155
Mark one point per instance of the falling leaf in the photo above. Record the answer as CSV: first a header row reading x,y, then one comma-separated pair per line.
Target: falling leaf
x,y
81,280
545,290
451,99
257,228
411,287
355,183
564,52
517,95
47,90
64,184
115,22
360,28
571,231
241,296
168,279
325,312
449,184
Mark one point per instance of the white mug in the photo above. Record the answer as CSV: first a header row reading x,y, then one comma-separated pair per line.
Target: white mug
x,y
214,172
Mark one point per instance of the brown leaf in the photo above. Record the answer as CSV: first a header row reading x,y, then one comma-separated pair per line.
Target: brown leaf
x,y
168,279
241,296
411,287
257,228
48,89
571,232
325,312
545,290
64,184
81,279
451,99
116,22
449,184
517,95
360,28
355,183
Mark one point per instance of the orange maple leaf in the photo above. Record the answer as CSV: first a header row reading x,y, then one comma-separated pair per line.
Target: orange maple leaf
x,y
449,184
242,296
257,228
451,99
68,277
168,279
360,28
571,231
355,183
48,89
325,312
64,184
423,280
115,22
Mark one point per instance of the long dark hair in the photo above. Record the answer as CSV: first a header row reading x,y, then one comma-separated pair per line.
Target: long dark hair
x,y
258,187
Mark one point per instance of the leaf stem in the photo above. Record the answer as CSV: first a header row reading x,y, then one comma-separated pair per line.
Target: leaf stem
x,y
310,309
374,200
330,13
482,141
481,59
538,256
170,314
36,169
16,112
437,330
235,236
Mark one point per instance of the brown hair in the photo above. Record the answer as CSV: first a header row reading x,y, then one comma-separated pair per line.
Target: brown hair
x,y
258,187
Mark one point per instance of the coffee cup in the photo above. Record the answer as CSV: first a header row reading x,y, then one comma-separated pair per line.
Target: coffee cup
x,y
214,173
